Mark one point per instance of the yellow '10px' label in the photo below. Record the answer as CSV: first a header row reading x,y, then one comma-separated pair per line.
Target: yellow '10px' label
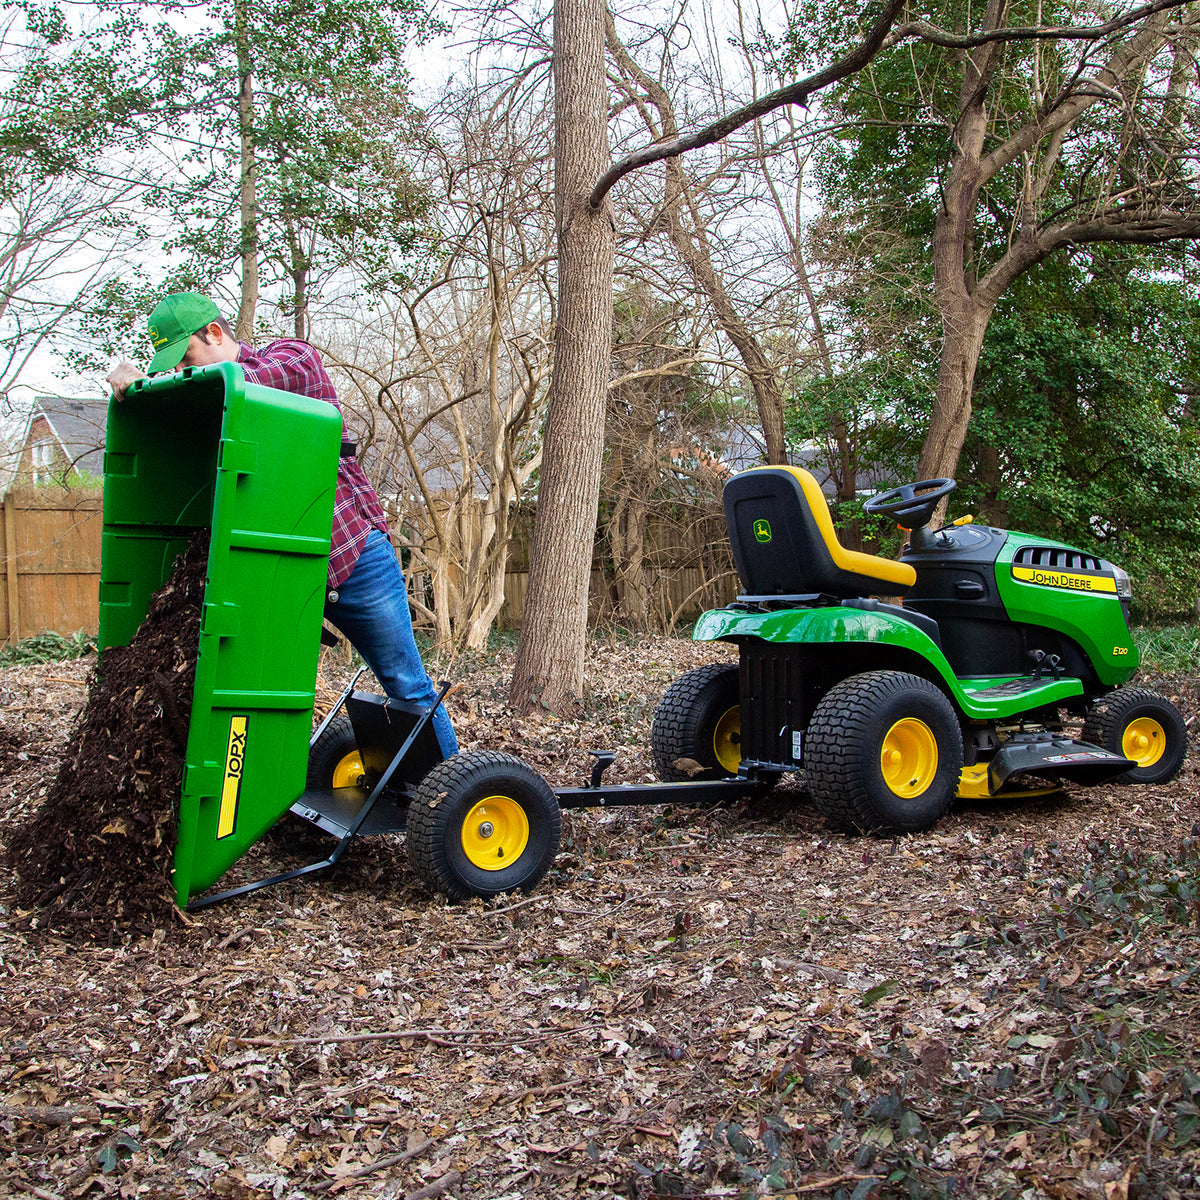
x,y
231,789
1071,580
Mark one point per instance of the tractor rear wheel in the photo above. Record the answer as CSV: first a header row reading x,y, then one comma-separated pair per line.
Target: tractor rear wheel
x,y
883,753
697,730
334,760
1140,725
482,823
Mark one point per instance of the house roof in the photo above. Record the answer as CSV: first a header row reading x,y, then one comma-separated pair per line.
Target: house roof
x,y
78,424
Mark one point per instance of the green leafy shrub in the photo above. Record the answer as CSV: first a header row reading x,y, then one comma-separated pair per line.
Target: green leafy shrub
x,y
47,647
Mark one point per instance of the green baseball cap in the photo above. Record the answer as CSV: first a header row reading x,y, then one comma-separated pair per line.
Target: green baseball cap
x,y
172,324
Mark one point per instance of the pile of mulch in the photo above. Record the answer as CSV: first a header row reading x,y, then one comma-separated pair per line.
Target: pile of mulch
x,y
94,861
11,747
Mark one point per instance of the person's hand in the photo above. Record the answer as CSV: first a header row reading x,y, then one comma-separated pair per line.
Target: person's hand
x,y
123,374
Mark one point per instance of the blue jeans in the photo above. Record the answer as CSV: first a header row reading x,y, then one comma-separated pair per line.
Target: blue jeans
x,y
372,611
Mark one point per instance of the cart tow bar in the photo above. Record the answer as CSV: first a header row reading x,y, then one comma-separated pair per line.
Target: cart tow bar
x,y
368,804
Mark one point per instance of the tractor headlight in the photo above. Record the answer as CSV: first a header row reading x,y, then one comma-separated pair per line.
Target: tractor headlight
x,y
1124,586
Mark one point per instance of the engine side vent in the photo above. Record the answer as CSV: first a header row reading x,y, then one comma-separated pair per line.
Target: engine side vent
x,y
1056,558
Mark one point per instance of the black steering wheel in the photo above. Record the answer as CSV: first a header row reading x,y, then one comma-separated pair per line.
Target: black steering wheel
x,y
912,504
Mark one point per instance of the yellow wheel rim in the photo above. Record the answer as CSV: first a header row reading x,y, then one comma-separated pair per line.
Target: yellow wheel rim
x,y
908,757
495,833
349,770
1144,740
727,739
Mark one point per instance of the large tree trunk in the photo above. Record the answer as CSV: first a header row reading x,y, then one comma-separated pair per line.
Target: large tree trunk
x,y
693,250
963,328
549,666
248,189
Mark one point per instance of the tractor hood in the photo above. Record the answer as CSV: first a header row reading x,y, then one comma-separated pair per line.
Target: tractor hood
x,y
1001,597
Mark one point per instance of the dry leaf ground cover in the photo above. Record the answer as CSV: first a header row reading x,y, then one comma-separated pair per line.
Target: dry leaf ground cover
x,y
725,1003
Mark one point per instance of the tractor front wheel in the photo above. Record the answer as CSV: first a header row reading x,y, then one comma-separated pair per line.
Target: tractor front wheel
x,y
883,753
1140,725
482,823
697,730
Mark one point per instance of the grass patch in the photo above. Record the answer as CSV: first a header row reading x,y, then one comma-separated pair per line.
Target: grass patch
x,y
47,647
1168,649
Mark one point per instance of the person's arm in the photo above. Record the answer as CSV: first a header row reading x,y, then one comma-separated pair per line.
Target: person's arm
x,y
122,375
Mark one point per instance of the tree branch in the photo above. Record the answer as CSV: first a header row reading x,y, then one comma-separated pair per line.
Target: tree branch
x,y
882,37
927,32
794,93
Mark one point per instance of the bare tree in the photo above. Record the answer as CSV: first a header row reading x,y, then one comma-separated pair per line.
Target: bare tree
x,y
663,471
59,239
449,383
733,218
688,230
549,666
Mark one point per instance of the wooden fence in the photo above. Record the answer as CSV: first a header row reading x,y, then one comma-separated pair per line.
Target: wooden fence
x,y
679,593
51,550
51,555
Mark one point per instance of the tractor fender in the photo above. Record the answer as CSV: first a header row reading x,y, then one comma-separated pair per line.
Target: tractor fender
x,y
829,626
901,644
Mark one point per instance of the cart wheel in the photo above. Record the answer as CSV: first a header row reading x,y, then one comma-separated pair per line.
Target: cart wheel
x,y
883,753
482,823
334,760
699,718
1140,725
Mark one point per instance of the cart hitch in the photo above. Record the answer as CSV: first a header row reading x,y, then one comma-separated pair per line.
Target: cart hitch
x,y
604,760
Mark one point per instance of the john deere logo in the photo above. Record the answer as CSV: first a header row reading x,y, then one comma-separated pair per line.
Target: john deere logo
x,y
762,530
155,340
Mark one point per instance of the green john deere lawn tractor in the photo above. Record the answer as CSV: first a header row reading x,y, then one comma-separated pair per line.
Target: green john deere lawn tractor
x,y
957,683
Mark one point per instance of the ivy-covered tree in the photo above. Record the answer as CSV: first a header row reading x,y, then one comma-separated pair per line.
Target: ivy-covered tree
x,y
1086,425
983,140
66,222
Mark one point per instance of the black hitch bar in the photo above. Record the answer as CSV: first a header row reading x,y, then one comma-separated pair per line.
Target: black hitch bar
x,y
596,794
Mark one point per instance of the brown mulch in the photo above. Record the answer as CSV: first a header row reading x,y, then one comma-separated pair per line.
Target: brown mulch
x,y
720,1002
94,861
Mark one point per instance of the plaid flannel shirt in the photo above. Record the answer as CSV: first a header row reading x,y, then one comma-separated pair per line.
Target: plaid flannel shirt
x,y
294,366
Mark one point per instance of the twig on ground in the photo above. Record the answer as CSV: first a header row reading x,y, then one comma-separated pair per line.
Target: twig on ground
x,y
438,1037
819,1185
544,1091
436,1188
48,1114
495,912
33,1190
382,1164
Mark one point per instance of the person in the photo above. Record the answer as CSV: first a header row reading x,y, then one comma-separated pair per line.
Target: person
x,y
366,599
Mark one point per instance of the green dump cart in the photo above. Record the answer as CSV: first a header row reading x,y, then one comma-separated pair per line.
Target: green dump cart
x,y
205,449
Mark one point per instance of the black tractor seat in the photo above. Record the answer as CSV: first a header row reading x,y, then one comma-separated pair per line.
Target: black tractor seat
x,y
784,542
